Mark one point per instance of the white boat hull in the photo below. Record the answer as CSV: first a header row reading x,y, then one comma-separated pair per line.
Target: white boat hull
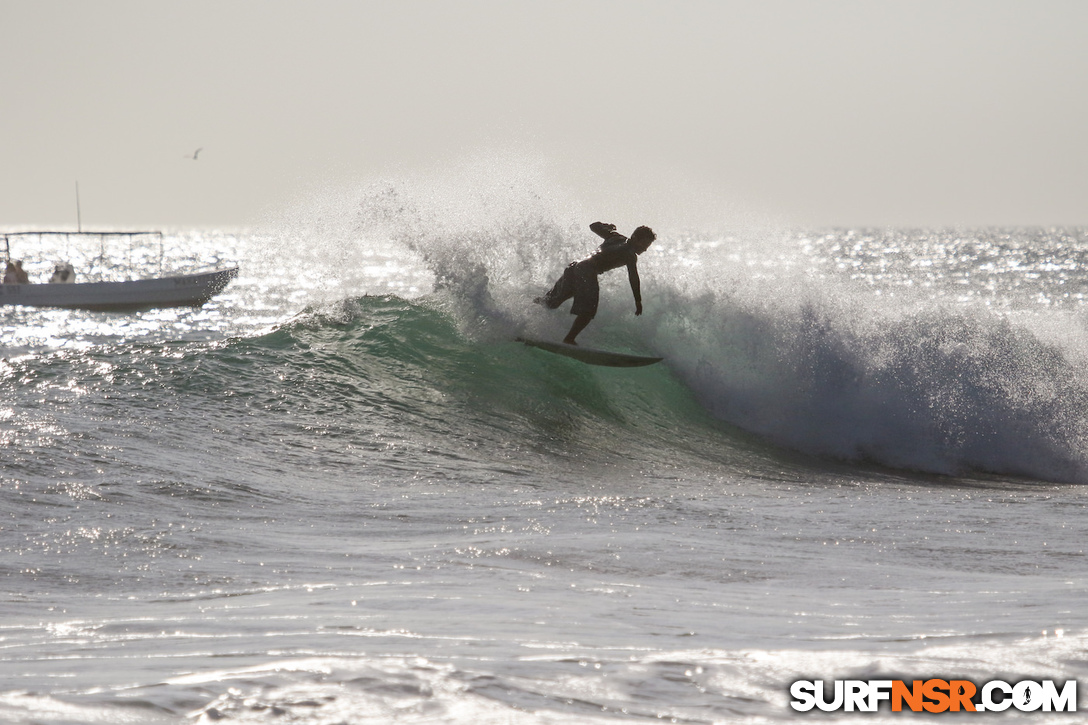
x,y
190,290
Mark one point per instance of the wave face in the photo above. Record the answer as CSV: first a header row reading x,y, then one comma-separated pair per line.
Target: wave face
x,y
941,390
400,379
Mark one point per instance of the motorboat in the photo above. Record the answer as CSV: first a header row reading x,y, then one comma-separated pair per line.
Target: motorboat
x,y
174,290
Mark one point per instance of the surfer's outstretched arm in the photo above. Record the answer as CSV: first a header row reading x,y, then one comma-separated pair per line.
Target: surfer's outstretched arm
x,y
636,287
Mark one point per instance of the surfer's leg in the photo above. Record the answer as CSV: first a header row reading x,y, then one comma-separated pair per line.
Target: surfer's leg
x,y
587,294
580,323
562,291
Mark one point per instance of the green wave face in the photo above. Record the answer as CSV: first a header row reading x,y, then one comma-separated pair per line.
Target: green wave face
x,y
390,368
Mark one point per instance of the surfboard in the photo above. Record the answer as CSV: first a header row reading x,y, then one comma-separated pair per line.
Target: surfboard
x,y
592,356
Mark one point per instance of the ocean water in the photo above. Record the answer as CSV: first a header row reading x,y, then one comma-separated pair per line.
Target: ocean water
x,y
340,493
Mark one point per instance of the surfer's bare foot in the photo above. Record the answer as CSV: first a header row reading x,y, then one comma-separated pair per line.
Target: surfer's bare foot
x,y
569,342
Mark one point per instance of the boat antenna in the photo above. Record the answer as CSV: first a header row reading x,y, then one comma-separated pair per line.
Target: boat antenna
x,y
79,218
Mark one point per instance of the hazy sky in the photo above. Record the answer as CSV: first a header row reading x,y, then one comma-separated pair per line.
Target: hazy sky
x,y
830,112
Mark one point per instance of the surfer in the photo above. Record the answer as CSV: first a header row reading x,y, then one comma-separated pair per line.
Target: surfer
x,y
579,280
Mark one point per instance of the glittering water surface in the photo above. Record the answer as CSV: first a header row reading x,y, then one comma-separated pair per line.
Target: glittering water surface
x,y
339,493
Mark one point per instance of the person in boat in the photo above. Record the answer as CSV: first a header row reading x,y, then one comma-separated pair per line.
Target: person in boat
x,y
63,273
579,280
20,274
10,276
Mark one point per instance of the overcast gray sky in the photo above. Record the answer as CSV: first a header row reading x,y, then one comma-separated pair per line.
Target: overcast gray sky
x,y
835,112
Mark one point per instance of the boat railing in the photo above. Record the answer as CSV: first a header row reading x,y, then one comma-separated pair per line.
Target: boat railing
x,y
94,267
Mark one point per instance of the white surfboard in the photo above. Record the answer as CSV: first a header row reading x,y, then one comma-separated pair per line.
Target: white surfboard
x,y
592,356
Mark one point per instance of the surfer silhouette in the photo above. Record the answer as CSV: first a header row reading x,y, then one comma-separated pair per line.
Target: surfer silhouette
x,y
579,280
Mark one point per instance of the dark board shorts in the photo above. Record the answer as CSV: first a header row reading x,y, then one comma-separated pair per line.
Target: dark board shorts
x,y
580,282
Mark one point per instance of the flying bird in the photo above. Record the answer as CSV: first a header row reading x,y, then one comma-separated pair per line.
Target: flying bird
x,y
195,153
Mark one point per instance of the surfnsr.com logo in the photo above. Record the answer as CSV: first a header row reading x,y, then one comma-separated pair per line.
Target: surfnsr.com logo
x,y
934,695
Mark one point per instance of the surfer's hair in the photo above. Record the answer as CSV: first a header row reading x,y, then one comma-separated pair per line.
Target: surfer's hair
x,y
643,235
